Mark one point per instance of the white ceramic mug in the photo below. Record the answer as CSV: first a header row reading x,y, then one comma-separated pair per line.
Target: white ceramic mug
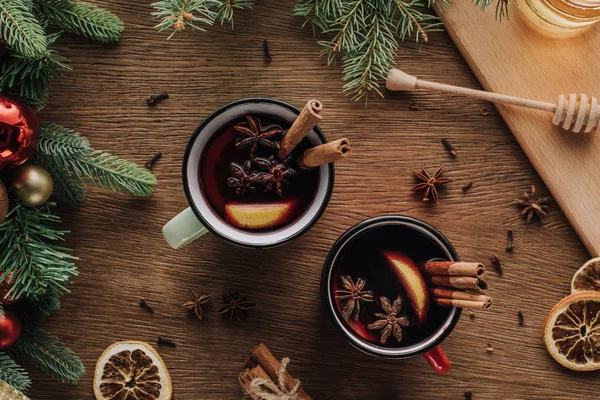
x,y
200,218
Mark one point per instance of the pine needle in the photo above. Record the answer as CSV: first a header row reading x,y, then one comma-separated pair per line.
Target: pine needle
x,y
21,30
111,172
30,77
50,354
82,19
30,259
71,161
13,374
179,14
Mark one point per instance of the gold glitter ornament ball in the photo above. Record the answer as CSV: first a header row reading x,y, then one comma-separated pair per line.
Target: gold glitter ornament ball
x,y
32,185
8,392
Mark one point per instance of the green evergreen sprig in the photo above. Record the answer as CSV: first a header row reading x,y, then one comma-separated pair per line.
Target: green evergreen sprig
x,y
13,374
31,261
367,34
29,78
501,7
81,18
224,10
21,30
71,161
176,15
49,353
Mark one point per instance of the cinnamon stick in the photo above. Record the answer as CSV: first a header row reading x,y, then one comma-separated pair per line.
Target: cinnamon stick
x,y
249,374
483,301
263,357
325,153
458,282
468,304
308,119
454,268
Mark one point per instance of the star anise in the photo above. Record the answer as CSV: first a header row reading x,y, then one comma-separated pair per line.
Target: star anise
x,y
236,306
254,137
533,205
353,294
428,183
195,303
244,178
279,172
390,322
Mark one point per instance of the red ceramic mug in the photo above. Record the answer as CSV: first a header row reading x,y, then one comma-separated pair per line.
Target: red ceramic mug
x,y
406,230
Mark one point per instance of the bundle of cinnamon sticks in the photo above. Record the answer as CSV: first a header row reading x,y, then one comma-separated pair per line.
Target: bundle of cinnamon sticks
x,y
318,155
265,377
458,284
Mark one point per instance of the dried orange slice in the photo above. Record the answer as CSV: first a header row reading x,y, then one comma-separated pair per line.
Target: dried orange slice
x,y
587,277
572,331
131,371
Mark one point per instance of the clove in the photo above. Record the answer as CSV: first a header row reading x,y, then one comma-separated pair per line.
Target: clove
x,y
510,241
165,342
497,265
267,52
451,149
467,187
150,163
154,99
146,306
521,318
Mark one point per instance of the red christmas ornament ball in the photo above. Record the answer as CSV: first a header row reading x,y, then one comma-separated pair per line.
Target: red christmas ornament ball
x,y
19,132
10,329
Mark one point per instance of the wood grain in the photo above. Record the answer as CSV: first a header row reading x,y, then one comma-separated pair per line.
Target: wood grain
x,y
123,257
513,59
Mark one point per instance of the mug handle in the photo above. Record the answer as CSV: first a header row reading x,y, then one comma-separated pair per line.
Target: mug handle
x,y
438,360
183,229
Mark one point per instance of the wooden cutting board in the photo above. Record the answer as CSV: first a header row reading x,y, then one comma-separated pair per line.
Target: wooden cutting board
x,y
511,58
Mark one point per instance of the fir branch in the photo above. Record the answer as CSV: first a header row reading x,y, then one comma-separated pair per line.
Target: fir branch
x,y
224,10
177,14
29,77
56,147
38,101
28,253
62,143
21,30
50,354
70,158
501,7
372,58
13,374
82,19
110,172
367,33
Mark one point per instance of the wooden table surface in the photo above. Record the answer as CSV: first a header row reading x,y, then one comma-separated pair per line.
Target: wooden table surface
x,y
123,256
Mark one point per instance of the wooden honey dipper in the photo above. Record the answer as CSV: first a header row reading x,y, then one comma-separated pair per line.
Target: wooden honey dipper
x,y
571,114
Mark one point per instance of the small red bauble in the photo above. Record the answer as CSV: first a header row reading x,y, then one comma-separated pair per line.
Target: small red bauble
x,y
19,132
10,329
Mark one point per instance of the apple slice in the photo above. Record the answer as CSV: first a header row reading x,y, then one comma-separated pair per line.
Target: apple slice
x,y
411,279
260,215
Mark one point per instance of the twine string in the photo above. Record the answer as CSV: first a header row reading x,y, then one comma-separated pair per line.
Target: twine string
x,y
265,389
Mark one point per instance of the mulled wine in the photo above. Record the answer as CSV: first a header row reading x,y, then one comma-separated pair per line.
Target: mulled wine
x,y
246,184
378,288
